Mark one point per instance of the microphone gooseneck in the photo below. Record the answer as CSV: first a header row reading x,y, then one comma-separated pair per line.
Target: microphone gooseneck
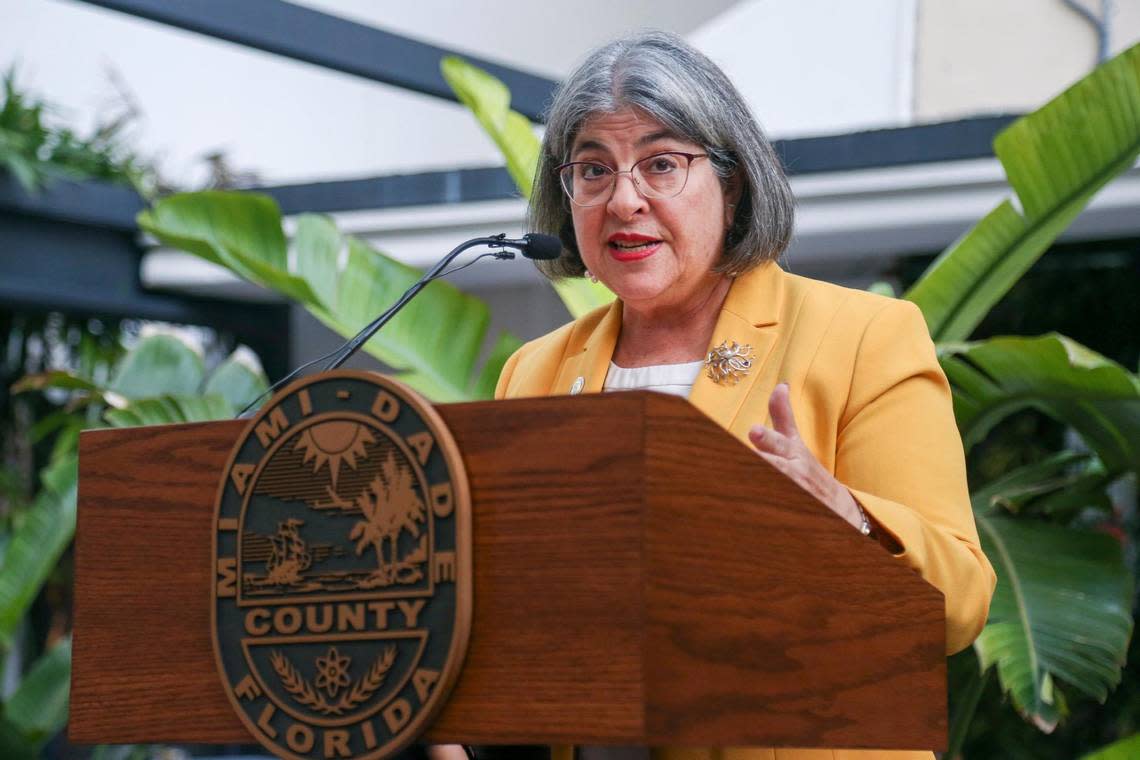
x,y
533,245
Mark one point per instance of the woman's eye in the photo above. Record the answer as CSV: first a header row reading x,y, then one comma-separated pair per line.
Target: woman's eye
x,y
593,171
662,164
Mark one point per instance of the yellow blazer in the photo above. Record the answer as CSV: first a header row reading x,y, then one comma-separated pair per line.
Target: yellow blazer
x,y
871,403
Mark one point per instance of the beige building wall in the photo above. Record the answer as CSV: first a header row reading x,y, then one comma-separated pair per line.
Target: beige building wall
x,y
1006,56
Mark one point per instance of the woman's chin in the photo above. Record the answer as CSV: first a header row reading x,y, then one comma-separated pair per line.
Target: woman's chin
x,y
636,291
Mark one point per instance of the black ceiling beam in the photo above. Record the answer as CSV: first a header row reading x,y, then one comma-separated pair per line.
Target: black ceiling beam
x,y
47,264
898,146
875,149
50,264
490,183
89,202
102,204
333,43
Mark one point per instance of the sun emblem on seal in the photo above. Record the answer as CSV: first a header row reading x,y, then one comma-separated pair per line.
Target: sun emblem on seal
x,y
342,545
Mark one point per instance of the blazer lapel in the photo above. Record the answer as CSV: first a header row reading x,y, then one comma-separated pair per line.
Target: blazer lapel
x,y
750,315
592,360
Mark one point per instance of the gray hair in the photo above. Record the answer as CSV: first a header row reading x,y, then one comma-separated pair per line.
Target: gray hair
x,y
669,80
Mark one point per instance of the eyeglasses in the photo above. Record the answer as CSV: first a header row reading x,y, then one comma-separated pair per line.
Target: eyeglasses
x,y
662,175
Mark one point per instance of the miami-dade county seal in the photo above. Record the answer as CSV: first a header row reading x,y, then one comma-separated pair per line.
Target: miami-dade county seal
x,y
341,604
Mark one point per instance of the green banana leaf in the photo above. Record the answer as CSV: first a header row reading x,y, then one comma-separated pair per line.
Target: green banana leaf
x,y
38,707
239,380
1061,614
234,383
1056,159
36,543
158,365
317,244
159,381
490,102
166,410
433,344
506,345
239,231
55,379
434,341
1100,399
1060,486
1125,749
13,744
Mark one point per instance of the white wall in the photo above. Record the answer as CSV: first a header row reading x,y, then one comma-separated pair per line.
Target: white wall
x,y
546,38
292,121
980,56
817,66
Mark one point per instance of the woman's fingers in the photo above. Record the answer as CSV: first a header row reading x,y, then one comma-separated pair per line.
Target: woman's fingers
x,y
782,437
768,441
780,410
782,447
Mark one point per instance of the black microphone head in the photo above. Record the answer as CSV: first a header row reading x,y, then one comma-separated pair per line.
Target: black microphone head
x,y
539,246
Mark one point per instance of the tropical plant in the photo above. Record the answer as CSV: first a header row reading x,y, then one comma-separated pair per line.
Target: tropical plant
x,y
161,379
433,344
1125,749
1061,617
38,499
34,150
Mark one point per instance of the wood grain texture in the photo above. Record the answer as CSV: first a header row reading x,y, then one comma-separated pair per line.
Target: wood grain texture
x,y
769,619
142,662
639,578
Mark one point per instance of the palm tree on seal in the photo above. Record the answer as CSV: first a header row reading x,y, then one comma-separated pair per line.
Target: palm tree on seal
x,y
389,505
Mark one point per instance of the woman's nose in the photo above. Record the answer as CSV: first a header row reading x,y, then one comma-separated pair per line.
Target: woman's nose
x,y
626,198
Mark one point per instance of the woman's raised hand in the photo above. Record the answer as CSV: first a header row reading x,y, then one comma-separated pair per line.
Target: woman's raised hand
x,y
782,447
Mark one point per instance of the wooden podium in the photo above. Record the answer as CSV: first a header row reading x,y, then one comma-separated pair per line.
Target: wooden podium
x,y
641,577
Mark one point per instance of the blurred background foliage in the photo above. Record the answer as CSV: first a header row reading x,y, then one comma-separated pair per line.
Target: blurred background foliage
x,y
37,146
64,376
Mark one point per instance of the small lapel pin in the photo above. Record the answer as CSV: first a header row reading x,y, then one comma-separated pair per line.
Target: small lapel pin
x,y
576,388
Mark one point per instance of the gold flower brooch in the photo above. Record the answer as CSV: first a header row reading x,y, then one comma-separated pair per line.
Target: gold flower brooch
x,y
729,362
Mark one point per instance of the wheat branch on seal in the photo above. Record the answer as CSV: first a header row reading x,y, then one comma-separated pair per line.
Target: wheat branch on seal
x,y
302,691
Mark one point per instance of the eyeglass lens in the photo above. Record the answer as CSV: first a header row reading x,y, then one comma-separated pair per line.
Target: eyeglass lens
x,y
660,176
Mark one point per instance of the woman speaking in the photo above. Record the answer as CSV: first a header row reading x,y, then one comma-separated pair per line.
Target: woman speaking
x,y
661,185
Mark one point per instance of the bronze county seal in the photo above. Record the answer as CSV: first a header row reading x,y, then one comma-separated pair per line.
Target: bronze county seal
x,y
341,603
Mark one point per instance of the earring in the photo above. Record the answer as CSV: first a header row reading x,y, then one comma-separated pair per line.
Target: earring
x,y
592,276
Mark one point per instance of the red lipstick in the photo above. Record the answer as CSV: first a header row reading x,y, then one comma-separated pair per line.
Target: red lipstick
x,y
632,246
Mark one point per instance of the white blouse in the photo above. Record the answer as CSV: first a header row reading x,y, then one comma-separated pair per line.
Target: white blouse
x,y
676,379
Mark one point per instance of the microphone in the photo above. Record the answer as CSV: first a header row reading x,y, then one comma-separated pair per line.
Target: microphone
x,y
533,245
